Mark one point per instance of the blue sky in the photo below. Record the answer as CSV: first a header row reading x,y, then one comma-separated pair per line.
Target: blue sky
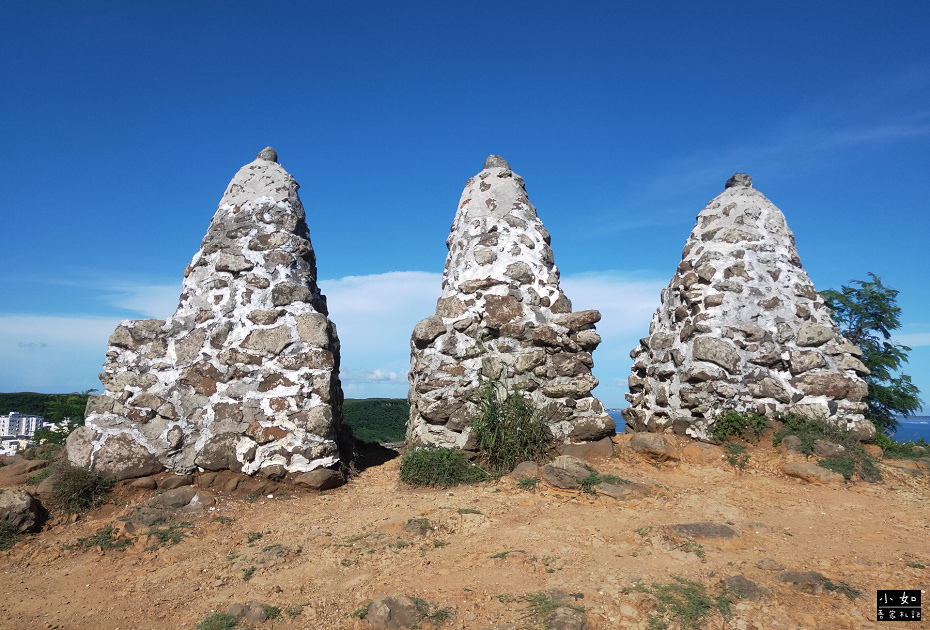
x,y
124,122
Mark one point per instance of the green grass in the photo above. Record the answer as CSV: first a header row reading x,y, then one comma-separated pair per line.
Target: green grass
x,y
440,467
843,588
422,524
695,548
8,535
218,621
295,610
509,429
901,450
730,423
253,536
857,461
528,483
736,454
104,539
686,603
77,490
223,520
541,604
39,477
273,612
362,612
468,511
377,419
170,535
589,484
248,573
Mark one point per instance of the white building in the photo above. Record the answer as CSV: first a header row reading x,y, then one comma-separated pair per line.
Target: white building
x,y
18,424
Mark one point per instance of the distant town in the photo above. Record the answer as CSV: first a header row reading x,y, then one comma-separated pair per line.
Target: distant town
x,y
17,431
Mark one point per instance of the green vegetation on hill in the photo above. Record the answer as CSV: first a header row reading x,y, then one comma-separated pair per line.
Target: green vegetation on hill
x,y
27,403
377,419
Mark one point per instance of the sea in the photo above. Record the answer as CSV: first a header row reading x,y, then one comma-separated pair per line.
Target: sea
x,y
912,428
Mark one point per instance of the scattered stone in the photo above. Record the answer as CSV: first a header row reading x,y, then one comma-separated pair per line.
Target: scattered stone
x,y
742,327
392,612
806,582
253,612
19,509
654,446
812,473
566,472
502,316
767,564
829,450
164,506
873,450
601,449
566,619
747,589
144,483
702,453
244,375
320,479
704,529
792,444
525,470
176,481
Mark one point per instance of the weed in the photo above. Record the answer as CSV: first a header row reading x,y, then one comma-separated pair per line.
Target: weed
x,y
442,467
284,496
693,547
77,489
39,477
901,450
843,588
503,554
528,483
347,562
504,598
218,621
736,454
248,573
686,602
362,612
270,547
809,431
104,539
295,610
845,466
421,525
643,531
508,430
232,556
541,604
253,536
223,520
468,511
747,426
167,535
400,543
440,543
8,535
273,612
252,498
916,565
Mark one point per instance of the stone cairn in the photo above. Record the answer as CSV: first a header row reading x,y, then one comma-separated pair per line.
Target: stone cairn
x,y
502,316
742,327
245,375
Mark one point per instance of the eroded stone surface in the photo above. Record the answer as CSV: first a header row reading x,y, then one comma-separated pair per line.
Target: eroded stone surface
x,y
244,375
503,316
742,327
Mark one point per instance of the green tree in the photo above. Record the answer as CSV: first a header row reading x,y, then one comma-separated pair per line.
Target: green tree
x,y
867,313
67,411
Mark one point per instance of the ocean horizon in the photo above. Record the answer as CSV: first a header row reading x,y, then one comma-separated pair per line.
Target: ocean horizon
x,y
911,429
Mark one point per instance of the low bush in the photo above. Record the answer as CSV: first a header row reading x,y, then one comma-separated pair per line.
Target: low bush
x,y
441,467
8,535
76,490
508,430
218,621
901,450
732,423
857,461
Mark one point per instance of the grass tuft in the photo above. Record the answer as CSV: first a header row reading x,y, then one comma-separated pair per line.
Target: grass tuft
x,y
77,490
218,621
8,535
440,467
731,423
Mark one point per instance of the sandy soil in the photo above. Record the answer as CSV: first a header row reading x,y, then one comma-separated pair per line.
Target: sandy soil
x,y
327,554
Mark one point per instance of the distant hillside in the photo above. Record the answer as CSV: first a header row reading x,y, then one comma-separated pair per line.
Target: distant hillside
x,y
28,403
377,419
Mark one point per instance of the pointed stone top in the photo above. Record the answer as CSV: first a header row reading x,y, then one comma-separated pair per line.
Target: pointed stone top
x,y
739,180
496,161
268,154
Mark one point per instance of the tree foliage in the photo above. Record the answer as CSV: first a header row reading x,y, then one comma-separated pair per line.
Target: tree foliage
x,y
67,411
867,314
377,419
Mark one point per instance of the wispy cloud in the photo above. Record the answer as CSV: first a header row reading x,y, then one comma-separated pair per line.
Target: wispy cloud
x,y
913,340
149,300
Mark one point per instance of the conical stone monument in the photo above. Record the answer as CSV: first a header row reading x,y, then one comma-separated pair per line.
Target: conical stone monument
x,y
245,375
502,316
742,327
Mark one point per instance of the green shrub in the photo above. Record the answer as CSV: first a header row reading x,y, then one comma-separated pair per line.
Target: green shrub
x,y
104,539
508,430
442,467
218,621
731,423
528,483
901,450
736,454
8,535
76,490
685,602
809,431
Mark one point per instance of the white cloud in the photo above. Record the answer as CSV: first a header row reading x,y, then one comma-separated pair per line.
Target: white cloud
x,y
154,300
913,340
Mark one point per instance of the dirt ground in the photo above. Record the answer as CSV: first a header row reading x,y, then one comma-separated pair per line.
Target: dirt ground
x,y
319,557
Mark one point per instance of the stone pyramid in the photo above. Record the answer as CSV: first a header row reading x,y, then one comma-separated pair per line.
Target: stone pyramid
x,y
741,326
502,316
245,375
